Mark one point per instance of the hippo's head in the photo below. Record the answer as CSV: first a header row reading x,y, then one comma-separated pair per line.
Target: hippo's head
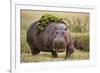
x,y
58,37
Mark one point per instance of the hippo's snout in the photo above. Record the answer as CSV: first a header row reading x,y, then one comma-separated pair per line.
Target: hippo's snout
x,y
59,44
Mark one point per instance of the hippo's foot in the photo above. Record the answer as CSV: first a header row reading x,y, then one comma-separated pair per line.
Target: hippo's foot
x,y
54,54
67,57
68,54
35,52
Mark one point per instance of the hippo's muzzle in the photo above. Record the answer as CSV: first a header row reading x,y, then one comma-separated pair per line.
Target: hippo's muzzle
x,y
59,45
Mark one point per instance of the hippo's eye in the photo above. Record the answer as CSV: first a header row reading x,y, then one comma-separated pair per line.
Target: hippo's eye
x,y
62,32
56,28
56,32
65,28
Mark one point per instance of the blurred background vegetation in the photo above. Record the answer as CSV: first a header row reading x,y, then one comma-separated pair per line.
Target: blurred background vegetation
x,y
78,24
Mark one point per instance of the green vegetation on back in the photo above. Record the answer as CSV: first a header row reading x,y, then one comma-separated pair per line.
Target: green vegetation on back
x,y
45,20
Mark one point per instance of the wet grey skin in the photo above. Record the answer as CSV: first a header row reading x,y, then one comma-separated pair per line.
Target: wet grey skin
x,y
55,38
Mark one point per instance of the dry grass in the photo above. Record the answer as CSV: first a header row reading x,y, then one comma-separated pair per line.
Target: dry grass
x,y
46,56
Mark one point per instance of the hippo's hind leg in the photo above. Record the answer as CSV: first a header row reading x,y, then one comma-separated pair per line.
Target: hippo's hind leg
x,y
34,50
54,54
69,50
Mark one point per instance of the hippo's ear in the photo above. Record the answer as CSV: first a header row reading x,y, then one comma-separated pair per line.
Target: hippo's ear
x,y
66,28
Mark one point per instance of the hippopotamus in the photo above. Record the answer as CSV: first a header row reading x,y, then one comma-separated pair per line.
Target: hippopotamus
x,y
55,38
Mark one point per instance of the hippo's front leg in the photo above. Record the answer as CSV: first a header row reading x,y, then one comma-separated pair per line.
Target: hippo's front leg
x,y
69,50
54,54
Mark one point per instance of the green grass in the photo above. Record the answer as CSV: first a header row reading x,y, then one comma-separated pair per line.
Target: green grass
x,y
81,41
46,56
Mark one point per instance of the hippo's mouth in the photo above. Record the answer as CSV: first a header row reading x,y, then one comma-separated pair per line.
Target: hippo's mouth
x,y
59,49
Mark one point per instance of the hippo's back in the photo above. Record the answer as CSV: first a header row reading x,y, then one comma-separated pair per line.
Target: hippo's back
x,y
30,32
